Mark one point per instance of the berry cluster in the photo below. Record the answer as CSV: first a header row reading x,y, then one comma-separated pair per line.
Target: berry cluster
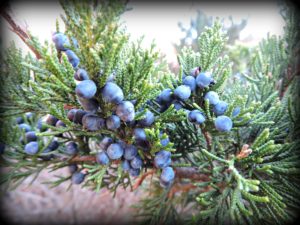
x,y
190,84
123,115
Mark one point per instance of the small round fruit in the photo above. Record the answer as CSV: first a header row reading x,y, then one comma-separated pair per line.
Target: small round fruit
x,y
236,111
81,75
86,89
136,162
113,122
31,148
134,172
71,114
25,127
105,142
125,165
182,92
89,105
115,151
167,176
130,152
162,159
60,123
60,40
213,97
71,148
220,108
125,110
196,116
223,123
30,136
73,58
190,81
51,120
19,120
148,120
79,114
203,79
112,93
92,122
165,96
195,71
102,158
72,168
78,177
139,134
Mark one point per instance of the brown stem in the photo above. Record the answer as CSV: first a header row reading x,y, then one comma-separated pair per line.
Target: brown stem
x,y
19,31
207,138
141,179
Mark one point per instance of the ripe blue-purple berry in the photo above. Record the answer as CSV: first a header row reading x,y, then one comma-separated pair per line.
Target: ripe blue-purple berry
x,y
79,114
86,89
223,123
125,110
51,120
220,108
190,81
92,122
182,92
81,75
136,162
73,58
134,172
139,134
148,120
71,114
60,40
31,148
89,105
162,159
204,79
196,116
60,123
165,96
113,122
102,158
195,71
77,177
25,127
177,105
125,165
72,168
71,148
112,93
213,97
115,151
130,152
30,136
19,120
167,176
2,148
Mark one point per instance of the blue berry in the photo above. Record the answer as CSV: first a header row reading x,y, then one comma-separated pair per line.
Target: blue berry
x,y
113,122
190,81
77,177
125,110
73,58
60,123
125,165
162,159
41,125
79,114
102,158
167,176
130,152
25,127
51,120
196,116
134,172
177,105
165,96
86,89
139,134
81,75
236,111
204,79
30,136
60,40
112,93
72,168
29,115
136,162
223,123
105,142
19,120
213,97
71,148
71,114
195,71
148,120
31,148
53,145
220,108
182,92
115,151
164,142
92,122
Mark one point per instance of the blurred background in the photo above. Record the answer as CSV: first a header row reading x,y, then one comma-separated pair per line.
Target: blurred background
x,y
170,26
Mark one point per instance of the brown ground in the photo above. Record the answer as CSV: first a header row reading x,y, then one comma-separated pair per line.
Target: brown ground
x,y
38,204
